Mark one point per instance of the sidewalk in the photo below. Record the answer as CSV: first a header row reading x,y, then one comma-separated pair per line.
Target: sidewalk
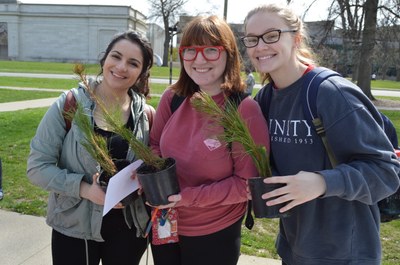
x,y
46,102
25,240
27,104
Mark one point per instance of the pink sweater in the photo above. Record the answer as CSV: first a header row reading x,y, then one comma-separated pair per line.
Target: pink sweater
x,y
212,181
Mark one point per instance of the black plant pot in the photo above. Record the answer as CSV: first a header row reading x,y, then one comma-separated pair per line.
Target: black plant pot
x,y
104,178
158,185
390,207
261,210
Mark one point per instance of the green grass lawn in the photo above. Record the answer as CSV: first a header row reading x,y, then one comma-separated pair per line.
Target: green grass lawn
x,y
66,68
62,84
18,127
385,84
7,95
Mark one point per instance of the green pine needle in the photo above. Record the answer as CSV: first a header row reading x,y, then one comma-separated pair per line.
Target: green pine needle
x,y
95,144
235,129
112,117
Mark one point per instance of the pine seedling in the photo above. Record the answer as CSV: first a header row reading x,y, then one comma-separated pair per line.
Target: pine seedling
x,y
235,129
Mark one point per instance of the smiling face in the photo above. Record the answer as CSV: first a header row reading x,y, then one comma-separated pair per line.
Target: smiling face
x,y
275,58
122,66
216,67
208,75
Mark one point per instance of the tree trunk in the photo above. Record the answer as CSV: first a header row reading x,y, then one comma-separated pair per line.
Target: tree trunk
x,y
367,46
166,47
398,67
384,71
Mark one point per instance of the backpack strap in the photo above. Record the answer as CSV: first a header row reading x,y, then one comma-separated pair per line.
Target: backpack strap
x,y
176,102
263,98
312,81
237,97
249,220
150,112
69,108
390,130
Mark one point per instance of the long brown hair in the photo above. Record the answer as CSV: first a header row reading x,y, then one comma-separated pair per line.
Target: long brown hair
x,y
211,30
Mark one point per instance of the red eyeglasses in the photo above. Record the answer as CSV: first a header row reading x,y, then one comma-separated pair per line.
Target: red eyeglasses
x,y
210,53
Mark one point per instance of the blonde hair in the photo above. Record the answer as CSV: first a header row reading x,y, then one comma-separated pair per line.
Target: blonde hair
x,y
303,53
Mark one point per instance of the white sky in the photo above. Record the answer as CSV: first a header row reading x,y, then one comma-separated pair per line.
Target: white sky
x,y
237,9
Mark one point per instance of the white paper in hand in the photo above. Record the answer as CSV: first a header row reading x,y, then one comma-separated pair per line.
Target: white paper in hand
x,y
120,186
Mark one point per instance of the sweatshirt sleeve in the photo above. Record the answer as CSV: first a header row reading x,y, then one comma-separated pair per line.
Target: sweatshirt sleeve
x,y
368,167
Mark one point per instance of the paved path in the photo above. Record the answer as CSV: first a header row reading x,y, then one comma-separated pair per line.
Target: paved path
x,y
25,240
69,76
36,103
27,104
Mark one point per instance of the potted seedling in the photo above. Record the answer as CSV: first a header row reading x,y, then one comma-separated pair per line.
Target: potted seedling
x,y
235,130
156,175
96,146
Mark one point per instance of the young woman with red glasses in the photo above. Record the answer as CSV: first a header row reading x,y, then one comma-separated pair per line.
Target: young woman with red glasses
x,y
213,196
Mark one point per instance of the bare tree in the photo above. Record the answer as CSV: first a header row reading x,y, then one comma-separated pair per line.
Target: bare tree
x,y
388,40
352,16
167,11
367,47
386,56
358,27
359,22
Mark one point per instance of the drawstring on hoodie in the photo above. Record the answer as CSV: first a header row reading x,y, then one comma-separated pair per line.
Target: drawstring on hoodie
x,y
87,252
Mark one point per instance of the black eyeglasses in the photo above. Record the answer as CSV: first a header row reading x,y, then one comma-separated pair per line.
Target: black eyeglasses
x,y
268,37
210,53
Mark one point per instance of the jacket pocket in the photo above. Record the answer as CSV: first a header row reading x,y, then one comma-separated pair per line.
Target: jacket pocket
x,y
65,203
67,211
